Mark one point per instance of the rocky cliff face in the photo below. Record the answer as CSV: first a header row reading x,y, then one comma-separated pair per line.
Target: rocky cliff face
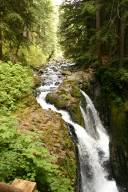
x,y
112,104
115,118
110,99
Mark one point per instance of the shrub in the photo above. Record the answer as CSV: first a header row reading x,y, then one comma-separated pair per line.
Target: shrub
x,y
15,83
24,156
114,83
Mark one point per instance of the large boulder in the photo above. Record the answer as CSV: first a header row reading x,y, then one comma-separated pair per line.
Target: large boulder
x,y
68,97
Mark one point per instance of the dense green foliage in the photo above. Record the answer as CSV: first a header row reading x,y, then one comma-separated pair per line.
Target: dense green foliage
x,y
24,156
15,83
94,31
114,83
75,31
25,23
27,40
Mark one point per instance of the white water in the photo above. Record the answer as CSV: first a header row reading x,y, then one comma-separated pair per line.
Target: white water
x,y
93,174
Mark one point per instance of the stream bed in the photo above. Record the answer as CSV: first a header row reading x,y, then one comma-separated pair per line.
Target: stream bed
x,y
92,139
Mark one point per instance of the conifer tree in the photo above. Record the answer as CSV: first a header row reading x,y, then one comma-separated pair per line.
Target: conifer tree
x,y
24,22
94,30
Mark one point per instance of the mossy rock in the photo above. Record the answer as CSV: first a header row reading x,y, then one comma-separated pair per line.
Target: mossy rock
x,y
76,116
36,81
68,97
126,107
119,143
119,120
59,101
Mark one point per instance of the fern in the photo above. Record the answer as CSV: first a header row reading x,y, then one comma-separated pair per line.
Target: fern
x,y
23,156
15,82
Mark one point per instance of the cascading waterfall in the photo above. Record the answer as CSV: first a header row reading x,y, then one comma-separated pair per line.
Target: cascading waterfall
x,y
93,142
97,152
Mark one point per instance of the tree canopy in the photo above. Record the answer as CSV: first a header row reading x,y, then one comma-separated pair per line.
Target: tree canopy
x,y
94,30
23,23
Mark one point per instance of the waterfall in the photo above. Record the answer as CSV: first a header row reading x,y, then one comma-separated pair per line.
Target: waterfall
x,y
93,141
94,154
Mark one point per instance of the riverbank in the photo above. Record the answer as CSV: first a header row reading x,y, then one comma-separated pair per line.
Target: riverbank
x,y
108,89
24,117
43,149
53,134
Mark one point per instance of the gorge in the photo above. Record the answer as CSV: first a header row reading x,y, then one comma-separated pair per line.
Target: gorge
x,y
92,139
64,94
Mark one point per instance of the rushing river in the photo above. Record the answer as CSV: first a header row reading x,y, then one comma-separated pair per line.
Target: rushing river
x,y
93,141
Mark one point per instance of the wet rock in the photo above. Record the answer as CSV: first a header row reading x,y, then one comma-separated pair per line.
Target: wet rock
x,y
67,97
41,71
57,83
66,73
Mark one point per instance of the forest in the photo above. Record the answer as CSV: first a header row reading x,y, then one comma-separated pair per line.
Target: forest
x,y
94,36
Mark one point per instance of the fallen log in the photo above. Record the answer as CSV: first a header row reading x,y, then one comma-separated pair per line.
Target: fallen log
x,y
25,186
18,185
7,188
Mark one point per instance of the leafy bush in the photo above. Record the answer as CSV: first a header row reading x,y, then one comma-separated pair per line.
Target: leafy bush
x,y
24,156
114,83
15,82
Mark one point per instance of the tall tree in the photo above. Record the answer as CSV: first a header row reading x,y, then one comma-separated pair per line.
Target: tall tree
x,y
103,40
24,22
77,21
98,27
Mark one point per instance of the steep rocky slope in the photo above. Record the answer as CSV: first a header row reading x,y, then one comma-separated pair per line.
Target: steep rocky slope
x,y
110,99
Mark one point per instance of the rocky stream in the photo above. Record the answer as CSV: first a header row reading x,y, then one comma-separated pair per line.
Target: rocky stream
x,y
61,92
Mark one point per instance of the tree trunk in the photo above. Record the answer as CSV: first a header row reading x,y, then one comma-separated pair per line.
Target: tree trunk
x,y
16,53
1,52
98,26
122,36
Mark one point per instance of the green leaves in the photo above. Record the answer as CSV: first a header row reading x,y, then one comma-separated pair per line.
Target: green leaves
x,y
23,156
27,22
89,7
114,83
91,29
15,82
77,21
